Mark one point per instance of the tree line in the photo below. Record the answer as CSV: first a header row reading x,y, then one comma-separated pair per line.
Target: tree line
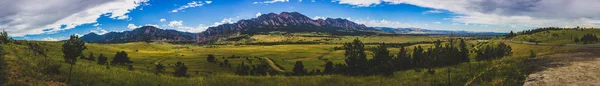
x,y
586,39
384,63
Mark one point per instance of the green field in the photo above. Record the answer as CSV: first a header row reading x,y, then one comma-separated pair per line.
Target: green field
x,y
24,68
557,36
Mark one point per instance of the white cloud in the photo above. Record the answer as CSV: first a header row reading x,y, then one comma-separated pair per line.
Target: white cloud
x,y
529,13
360,3
99,31
97,24
22,17
50,39
437,22
163,20
175,23
54,39
258,14
208,2
383,23
154,25
132,26
319,17
190,5
270,1
178,25
432,12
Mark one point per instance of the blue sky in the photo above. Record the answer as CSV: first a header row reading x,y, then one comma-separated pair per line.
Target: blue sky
x,y
62,18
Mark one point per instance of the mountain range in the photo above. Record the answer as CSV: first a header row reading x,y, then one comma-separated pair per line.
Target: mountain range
x,y
290,22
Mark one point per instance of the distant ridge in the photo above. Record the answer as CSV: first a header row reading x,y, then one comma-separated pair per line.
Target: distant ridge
x,y
290,22
145,33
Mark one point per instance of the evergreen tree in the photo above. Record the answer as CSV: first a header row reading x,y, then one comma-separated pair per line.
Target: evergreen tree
x,y
180,69
382,61
91,57
299,68
102,59
159,68
4,37
211,58
328,68
72,48
356,59
403,61
121,58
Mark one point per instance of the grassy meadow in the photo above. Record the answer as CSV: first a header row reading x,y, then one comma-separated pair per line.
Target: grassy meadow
x,y
25,68
557,36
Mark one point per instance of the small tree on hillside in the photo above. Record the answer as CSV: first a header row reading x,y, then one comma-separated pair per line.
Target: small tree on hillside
x,y
91,57
121,58
211,58
102,59
180,69
72,48
159,68
299,68
382,61
4,37
328,68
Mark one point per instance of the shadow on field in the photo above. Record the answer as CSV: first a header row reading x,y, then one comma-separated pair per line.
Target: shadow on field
x,y
541,63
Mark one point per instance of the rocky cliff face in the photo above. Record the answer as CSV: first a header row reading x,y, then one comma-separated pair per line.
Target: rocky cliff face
x,y
286,22
290,22
146,33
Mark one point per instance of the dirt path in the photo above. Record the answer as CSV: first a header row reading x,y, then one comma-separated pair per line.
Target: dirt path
x,y
272,64
577,68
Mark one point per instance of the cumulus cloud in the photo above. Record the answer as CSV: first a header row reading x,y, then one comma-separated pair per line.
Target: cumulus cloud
x,y
99,31
190,5
271,1
132,26
360,3
22,17
54,39
178,25
535,13
432,12
258,14
382,23
175,23
163,20
319,17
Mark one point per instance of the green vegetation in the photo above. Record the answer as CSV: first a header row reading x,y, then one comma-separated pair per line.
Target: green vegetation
x,y
558,36
157,64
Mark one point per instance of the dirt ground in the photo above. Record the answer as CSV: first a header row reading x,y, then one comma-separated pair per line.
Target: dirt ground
x,y
576,68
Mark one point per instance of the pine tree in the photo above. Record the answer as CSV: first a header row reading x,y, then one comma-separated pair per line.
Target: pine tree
x,y
72,48
180,69
403,61
91,57
102,59
121,58
4,37
159,68
299,68
328,68
356,58
382,61
211,58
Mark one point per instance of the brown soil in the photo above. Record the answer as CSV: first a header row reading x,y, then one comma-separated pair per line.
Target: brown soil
x,y
577,68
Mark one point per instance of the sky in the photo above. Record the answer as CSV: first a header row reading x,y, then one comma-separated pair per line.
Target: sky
x,y
52,20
